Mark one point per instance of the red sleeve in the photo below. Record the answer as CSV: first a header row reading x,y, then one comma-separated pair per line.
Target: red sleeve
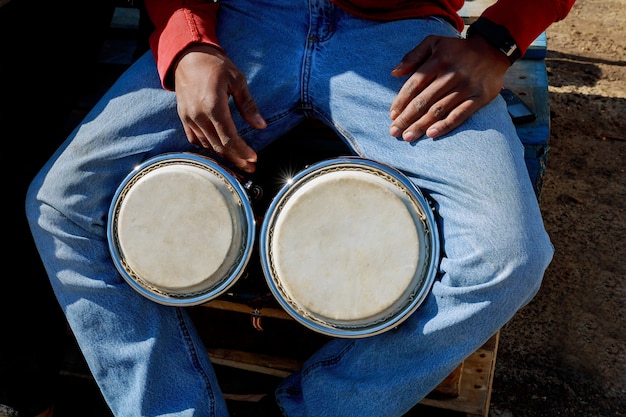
x,y
527,19
178,24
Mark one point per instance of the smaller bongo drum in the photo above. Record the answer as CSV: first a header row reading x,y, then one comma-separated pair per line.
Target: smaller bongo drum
x,y
349,247
181,229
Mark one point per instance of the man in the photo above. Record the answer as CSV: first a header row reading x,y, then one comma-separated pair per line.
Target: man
x,y
399,84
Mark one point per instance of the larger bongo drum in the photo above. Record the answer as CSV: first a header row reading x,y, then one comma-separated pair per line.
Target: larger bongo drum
x,y
349,247
181,229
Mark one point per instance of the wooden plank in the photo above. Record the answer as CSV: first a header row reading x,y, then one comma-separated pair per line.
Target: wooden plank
x,y
456,385
476,383
253,398
255,362
528,79
243,308
538,49
449,388
474,8
451,385
472,387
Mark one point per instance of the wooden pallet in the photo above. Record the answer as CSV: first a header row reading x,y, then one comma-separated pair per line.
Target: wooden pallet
x,y
466,390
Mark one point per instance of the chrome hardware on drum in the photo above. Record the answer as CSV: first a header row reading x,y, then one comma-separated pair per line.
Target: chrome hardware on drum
x,y
181,229
349,247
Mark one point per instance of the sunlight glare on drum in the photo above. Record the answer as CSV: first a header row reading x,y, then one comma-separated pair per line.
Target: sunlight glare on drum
x,y
285,176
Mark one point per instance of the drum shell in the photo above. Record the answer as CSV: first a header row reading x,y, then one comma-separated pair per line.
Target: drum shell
x,y
182,227
375,320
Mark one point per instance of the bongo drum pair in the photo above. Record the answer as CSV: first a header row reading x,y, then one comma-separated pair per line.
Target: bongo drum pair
x,y
348,247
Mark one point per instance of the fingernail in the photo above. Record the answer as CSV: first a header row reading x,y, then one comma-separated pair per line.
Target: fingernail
x,y
260,121
408,136
393,114
432,132
394,131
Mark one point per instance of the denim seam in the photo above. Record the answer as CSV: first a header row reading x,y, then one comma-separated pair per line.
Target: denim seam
x,y
195,358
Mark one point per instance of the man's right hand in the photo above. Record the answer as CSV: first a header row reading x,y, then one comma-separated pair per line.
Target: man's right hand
x,y
204,80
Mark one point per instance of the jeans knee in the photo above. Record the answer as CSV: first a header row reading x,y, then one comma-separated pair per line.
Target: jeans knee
x,y
539,256
525,271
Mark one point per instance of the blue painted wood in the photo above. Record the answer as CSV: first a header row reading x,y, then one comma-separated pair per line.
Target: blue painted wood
x,y
537,49
528,79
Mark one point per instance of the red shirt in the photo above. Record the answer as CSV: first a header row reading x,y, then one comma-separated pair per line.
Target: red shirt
x,y
179,23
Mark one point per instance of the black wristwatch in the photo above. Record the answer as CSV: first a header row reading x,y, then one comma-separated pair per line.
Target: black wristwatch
x,y
497,36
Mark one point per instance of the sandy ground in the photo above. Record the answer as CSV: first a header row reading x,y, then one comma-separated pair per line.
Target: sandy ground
x,y
565,353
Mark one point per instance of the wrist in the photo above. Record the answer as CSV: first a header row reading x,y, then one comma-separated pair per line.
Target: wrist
x,y
497,36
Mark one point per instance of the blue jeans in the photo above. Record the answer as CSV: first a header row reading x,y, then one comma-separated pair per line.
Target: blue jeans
x,y
306,59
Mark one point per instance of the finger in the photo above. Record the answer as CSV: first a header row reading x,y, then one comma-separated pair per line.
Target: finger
x,y
409,94
412,63
414,92
454,119
247,107
197,139
413,59
244,157
227,143
421,110
234,149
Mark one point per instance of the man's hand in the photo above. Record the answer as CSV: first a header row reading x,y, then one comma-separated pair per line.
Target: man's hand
x,y
449,80
204,80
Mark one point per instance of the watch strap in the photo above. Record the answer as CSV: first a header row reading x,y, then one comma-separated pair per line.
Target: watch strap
x,y
497,36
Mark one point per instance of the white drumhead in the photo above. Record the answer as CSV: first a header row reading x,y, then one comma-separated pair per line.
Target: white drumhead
x,y
181,229
348,247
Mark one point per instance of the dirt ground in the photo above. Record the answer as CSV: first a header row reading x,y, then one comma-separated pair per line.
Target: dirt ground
x,y
565,353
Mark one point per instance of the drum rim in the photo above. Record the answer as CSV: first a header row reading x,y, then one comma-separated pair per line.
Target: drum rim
x,y
197,298
432,236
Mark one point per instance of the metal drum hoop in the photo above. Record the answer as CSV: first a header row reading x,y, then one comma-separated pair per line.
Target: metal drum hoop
x,y
244,252
430,242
